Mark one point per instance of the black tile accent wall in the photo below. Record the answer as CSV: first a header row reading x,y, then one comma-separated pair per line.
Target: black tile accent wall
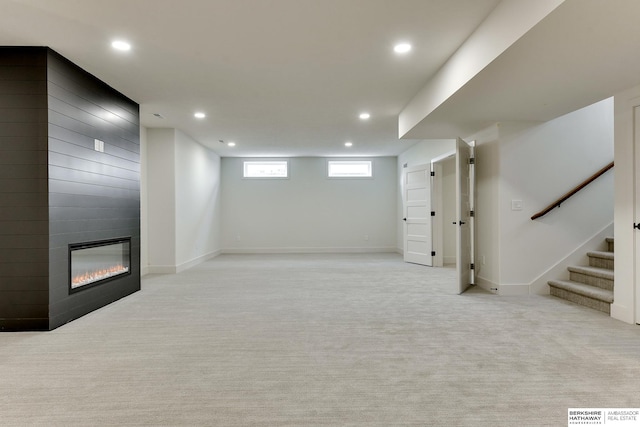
x,y
92,195
24,230
55,189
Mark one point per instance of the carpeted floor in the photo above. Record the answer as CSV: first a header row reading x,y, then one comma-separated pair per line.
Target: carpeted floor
x,y
319,340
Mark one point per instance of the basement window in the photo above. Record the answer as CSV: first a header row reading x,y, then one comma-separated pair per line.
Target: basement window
x,y
350,169
266,169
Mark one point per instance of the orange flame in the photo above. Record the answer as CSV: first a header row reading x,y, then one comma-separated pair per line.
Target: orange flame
x,y
95,275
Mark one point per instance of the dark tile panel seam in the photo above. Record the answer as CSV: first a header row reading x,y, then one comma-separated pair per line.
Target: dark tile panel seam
x,y
64,110
92,150
118,199
135,137
112,123
121,190
69,85
130,174
57,67
126,183
82,140
117,108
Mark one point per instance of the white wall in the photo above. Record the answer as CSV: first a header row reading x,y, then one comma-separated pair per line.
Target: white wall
x,y
419,154
198,213
161,199
309,212
183,198
539,163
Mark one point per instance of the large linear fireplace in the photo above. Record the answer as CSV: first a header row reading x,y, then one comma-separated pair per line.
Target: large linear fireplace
x,y
94,263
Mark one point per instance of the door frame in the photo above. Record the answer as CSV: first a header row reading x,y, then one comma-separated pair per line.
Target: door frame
x,y
465,206
437,205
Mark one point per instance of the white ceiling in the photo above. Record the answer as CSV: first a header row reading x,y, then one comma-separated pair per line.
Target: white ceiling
x,y
278,77
582,52
289,77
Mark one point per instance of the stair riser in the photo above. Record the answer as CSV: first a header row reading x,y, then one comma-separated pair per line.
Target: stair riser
x,y
582,300
601,263
591,280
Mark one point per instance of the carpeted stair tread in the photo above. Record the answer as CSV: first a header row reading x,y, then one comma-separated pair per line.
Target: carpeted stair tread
x,y
603,273
600,254
584,290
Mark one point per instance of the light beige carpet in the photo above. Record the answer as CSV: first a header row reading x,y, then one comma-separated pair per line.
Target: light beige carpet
x,y
319,340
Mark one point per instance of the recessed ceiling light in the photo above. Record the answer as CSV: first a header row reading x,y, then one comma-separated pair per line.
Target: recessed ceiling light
x,y
402,48
121,45
231,144
364,116
199,115
348,144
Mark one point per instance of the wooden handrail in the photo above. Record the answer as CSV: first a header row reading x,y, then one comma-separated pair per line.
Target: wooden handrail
x,y
558,202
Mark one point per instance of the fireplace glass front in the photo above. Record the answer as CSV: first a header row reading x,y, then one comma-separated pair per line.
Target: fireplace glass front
x,y
93,263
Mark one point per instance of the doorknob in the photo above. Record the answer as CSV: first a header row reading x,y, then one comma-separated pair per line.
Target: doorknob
x,y
404,219
462,223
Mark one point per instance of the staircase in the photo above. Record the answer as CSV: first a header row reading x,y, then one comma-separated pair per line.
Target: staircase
x,y
591,286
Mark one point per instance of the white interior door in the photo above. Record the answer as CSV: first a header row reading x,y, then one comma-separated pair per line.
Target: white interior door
x,y
417,214
464,206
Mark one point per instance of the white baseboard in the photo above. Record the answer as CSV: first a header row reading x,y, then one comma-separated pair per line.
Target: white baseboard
x,y
448,260
173,269
199,260
362,250
559,270
487,285
517,289
144,271
161,269
622,312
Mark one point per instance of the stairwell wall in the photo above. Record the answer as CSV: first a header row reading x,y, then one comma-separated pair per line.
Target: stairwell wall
x,y
539,163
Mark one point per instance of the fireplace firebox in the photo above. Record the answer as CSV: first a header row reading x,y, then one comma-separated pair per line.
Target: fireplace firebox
x,y
94,263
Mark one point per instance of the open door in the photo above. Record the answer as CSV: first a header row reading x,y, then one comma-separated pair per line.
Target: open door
x,y
416,184
465,181
443,209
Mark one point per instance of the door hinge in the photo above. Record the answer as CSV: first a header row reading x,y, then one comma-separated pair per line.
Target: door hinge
x,y
472,266
433,213
433,173
433,253
472,213
636,226
472,160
